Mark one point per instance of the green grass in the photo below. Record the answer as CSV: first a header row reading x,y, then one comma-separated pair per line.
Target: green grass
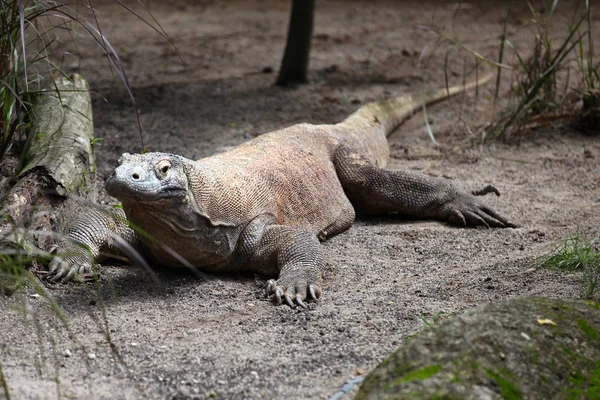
x,y
416,375
576,255
508,390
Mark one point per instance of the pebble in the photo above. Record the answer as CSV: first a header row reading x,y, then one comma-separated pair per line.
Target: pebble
x,y
67,353
91,356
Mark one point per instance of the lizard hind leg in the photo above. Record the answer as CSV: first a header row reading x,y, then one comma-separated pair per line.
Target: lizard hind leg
x,y
374,190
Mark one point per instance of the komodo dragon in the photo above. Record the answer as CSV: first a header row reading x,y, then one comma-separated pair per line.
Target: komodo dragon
x,y
265,205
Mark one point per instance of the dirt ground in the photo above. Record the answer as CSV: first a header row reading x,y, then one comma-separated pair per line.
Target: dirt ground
x,y
172,335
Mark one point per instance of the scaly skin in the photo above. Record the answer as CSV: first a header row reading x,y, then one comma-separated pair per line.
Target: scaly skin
x,y
265,205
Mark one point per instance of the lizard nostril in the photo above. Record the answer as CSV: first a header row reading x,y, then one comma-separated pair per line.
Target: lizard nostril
x,y
136,176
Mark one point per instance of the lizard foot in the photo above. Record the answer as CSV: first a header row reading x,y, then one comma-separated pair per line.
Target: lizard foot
x,y
66,269
290,293
467,210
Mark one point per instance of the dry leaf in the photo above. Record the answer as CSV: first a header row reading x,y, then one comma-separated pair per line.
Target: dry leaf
x,y
545,321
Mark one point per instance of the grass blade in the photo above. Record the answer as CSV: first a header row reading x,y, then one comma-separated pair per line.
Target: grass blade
x,y
466,48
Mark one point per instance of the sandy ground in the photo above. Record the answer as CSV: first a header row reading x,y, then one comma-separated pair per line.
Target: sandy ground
x,y
172,335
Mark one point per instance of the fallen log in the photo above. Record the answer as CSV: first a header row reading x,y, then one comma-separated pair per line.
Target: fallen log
x,y
59,162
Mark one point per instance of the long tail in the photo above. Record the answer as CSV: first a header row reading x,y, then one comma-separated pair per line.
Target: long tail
x,y
391,113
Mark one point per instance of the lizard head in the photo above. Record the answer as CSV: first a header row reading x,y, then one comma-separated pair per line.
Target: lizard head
x,y
148,178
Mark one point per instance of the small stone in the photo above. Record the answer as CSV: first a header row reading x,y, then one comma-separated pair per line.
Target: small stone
x,y
134,344
67,353
91,356
359,371
34,296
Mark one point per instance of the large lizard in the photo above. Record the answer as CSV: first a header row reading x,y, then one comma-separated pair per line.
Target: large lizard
x,y
265,205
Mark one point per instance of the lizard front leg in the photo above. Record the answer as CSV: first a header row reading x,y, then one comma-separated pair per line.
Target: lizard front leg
x,y
88,236
298,256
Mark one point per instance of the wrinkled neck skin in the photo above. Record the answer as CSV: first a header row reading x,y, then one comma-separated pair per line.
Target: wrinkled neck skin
x,y
179,233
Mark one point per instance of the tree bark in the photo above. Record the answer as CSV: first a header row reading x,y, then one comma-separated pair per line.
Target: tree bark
x,y
62,132
59,161
294,66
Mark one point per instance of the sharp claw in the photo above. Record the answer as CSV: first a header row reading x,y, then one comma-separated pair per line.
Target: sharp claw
x,y
270,287
72,272
62,271
289,301
311,290
490,219
278,294
491,211
299,301
486,190
476,220
457,218
53,265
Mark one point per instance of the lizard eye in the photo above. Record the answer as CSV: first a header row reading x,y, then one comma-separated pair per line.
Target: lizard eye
x,y
163,167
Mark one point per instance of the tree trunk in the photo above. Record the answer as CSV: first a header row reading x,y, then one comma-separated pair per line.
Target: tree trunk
x,y
294,66
59,161
61,134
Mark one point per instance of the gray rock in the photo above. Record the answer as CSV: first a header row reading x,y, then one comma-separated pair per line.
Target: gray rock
x,y
513,349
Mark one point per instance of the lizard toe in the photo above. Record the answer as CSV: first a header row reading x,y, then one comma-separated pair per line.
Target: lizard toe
x,y
270,289
61,270
67,269
315,291
293,295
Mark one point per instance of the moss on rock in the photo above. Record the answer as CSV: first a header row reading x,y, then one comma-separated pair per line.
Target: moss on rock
x,y
513,349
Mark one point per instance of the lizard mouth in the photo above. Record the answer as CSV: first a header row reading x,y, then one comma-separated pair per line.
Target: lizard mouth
x,y
165,193
172,192
143,191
